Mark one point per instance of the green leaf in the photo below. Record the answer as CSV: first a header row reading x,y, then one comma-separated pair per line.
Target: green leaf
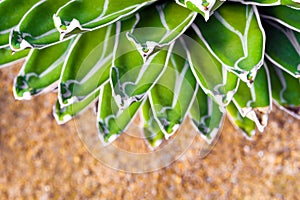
x,y
63,114
204,7
41,71
111,120
244,124
285,90
159,25
259,2
283,48
282,14
255,102
133,75
212,75
15,9
172,96
81,15
290,3
152,132
295,4
234,35
36,29
206,116
87,66
8,57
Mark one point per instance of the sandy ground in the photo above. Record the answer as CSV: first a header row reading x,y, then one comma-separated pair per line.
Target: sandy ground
x,y
42,160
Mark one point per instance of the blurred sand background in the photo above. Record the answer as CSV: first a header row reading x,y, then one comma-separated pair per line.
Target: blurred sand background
x,y
42,160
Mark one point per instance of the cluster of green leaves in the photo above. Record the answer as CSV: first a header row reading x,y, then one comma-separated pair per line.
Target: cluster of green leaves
x,y
167,59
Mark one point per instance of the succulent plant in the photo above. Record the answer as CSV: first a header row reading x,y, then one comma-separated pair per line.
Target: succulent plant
x,y
168,60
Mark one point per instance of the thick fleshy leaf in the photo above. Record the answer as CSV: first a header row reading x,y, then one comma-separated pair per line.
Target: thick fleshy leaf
x,y
63,114
159,25
41,71
282,14
295,4
152,132
212,75
204,7
87,66
244,124
7,56
82,15
255,102
285,90
132,75
111,120
283,48
36,29
12,12
290,3
234,35
206,116
173,94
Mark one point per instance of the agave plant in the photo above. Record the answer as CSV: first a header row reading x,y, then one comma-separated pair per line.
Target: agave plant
x,y
168,60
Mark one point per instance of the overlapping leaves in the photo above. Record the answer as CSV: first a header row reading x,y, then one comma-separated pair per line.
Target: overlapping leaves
x,y
158,57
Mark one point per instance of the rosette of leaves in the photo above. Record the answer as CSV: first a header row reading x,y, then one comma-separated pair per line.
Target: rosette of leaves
x,y
167,60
